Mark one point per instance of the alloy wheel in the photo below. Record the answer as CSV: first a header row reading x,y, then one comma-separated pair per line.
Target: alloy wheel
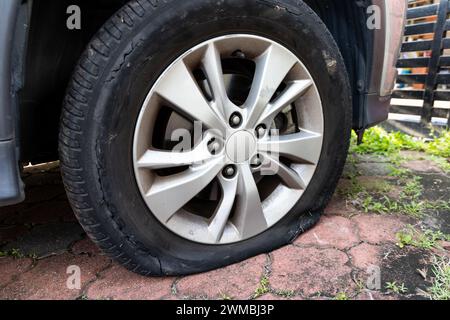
x,y
228,139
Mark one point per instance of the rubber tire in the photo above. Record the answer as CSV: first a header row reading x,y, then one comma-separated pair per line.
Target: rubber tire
x,y
104,98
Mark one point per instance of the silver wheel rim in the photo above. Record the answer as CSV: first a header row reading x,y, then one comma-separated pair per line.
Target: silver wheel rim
x,y
241,176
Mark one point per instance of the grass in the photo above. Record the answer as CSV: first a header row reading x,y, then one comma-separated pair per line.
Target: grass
x,y
17,254
225,297
413,189
263,288
399,172
374,197
440,146
379,142
427,239
394,287
408,203
13,253
286,293
342,296
440,289
442,163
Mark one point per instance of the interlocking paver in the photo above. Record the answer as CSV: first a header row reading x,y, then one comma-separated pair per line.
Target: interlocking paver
x,y
85,246
310,271
330,259
49,278
379,229
238,281
11,268
332,231
426,166
365,255
117,283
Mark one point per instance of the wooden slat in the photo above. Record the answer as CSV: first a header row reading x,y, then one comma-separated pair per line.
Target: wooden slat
x,y
417,46
446,43
444,61
422,11
443,95
440,113
417,111
412,78
413,63
420,28
443,78
408,94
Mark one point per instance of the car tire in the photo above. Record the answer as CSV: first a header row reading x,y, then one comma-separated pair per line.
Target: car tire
x,y
114,76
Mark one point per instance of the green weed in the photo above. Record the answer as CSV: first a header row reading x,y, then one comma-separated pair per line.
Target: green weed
x,y
427,239
393,287
440,289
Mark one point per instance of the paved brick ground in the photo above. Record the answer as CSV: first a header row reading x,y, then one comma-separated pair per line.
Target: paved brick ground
x,y
40,239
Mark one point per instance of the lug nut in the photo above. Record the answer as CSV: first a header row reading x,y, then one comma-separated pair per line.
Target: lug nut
x,y
235,120
214,146
229,171
238,54
261,131
256,161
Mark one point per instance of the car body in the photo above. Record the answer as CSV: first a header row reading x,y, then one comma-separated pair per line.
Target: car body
x,y
35,69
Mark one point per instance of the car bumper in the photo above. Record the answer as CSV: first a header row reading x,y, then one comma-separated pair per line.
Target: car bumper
x,y
387,41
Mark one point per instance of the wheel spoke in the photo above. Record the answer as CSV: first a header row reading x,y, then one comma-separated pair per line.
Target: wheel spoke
x,y
220,219
294,90
272,68
182,91
301,147
155,159
212,66
169,194
249,218
289,176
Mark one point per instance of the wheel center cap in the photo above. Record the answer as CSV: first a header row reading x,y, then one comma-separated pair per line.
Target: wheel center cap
x,y
241,146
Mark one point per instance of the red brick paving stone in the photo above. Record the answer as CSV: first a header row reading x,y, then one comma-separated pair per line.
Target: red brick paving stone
x,y
332,231
445,245
443,249
377,229
424,166
365,255
238,281
85,246
117,283
11,268
340,206
310,271
48,279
